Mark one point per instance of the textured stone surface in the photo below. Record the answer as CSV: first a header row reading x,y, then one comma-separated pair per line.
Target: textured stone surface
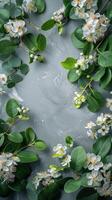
x,y
49,95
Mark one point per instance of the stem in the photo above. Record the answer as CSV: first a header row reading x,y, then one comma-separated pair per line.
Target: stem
x,y
23,148
104,6
88,85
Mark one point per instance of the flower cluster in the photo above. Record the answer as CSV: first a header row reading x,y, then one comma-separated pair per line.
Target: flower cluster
x,y
46,177
95,24
60,152
8,163
99,176
15,28
58,16
95,27
102,126
3,79
86,4
23,113
79,99
83,63
29,6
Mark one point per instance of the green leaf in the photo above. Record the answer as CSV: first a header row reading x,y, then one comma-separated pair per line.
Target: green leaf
x,y
12,63
40,145
15,78
78,157
22,171
102,146
99,74
4,14
76,42
18,185
69,141
14,10
41,42
73,76
4,189
87,194
67,10
40,4
48,25
24,69
105,59
7,47
27,156
30,135
30,41
2,139
110,42
3,126
106,79
51,192
68,63
66,2
93,103
108,159
88,47
19,2
109,12
98,96
15,137
11,108
32,193
72,186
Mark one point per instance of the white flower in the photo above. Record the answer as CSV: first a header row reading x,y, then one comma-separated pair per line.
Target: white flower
x,y
87,4
93,162
3,79
83,63
8,164
46,177
29,6
79,3
53,171
66,161
79,99
109,103
104,119
90,125
15,28
105,190
92,134
101,119
80,12
95,27
58,15
104,130
94,178
60,150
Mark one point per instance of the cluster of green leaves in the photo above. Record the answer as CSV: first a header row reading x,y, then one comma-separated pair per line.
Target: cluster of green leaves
x,y
24,144
101,147
34,43
78,182
94,99
101,70
52,192
15,70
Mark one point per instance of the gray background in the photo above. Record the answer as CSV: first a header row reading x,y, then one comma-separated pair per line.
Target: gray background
x,y
49,95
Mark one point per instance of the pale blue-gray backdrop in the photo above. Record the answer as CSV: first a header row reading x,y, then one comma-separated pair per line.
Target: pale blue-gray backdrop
x,y
49,95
